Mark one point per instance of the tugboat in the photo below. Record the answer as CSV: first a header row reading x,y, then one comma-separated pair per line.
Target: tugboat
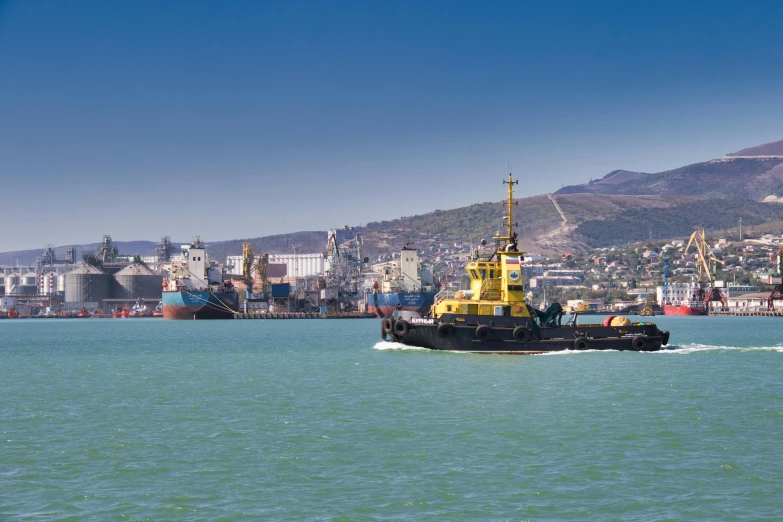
x,y
493,317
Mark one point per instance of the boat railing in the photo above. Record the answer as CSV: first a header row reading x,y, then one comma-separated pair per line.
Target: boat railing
x,y
488,293
445,293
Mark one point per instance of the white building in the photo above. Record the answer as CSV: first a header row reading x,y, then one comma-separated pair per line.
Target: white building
x,y
297,265
677,292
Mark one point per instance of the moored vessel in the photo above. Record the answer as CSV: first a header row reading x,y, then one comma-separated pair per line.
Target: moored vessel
x,y
493,317
402,284
196,288
685,308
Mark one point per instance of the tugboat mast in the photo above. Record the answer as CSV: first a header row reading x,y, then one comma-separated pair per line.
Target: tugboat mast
x,y
510,237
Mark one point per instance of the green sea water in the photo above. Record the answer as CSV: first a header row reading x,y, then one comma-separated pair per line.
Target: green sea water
x,y
145,419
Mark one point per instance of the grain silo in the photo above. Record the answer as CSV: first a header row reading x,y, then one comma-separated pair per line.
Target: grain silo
x,y
2,284
86,284
28,284
135,281
11,283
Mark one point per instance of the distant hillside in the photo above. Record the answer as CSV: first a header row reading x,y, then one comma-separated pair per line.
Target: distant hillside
x,y
768,149
624,206
745,178
679,220
752,173
28,257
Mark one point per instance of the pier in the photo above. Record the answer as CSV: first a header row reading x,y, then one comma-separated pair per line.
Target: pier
x,y
748,313
303,315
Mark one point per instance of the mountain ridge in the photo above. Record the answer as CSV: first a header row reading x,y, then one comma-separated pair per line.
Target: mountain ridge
x,y
623,206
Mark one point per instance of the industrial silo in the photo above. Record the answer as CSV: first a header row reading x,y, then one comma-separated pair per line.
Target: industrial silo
x,y
2,284
86,284
11,283
28,284
61,284
48,283
135,281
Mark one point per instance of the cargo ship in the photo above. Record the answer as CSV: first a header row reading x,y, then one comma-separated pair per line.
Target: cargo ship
x,y
402,284
197,289
685,308
681,299
493,317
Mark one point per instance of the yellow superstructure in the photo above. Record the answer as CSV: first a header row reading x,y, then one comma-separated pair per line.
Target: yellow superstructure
x,y
496,285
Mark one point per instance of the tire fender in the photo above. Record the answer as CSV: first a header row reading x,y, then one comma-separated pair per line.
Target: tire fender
x,y
581,343
445,330
520,334
639,343
387,325
401,327
483,332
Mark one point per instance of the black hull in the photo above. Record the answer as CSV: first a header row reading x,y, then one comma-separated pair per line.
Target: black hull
x,y
520,336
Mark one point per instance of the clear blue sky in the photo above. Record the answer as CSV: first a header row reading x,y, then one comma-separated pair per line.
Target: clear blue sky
x,y
243,119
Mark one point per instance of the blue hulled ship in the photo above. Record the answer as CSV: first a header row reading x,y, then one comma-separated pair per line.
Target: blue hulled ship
x,y
196,288
402,284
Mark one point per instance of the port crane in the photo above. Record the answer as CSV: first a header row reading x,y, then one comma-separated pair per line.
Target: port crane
x,y
709,284
254,265
777,280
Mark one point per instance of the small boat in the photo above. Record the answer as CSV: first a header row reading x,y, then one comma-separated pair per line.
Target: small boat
x,y
158,311
83,313
686,307
12,314
493,317
647,311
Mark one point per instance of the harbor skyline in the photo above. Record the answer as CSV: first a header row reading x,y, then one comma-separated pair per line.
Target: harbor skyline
x,y
149,119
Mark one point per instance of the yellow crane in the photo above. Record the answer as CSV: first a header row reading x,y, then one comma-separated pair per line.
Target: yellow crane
x,y
705,261
707,269
252,264
777,280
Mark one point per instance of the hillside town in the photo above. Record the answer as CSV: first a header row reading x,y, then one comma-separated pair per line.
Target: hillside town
x,y
630,277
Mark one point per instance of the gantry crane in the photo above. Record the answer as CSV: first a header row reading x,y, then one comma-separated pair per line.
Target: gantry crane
x,y
777,292
709,285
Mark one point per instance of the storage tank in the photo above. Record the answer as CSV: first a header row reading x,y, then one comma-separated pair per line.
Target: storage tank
x,y
11,283
48,284
86,284
61,284
28,284
2,284
135,281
